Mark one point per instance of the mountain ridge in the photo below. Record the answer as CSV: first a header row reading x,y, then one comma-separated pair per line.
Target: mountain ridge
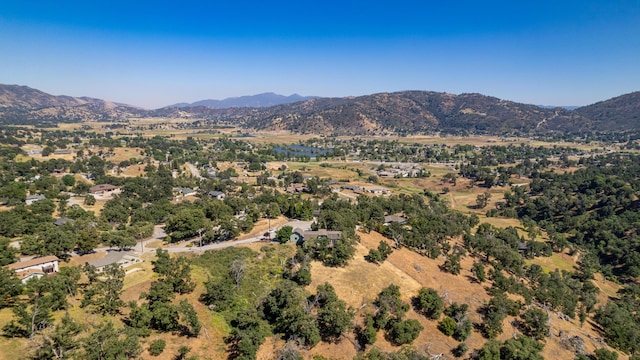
x,y
404,112
22,96
258,100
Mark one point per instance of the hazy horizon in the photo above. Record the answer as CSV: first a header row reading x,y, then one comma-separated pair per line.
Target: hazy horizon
x,y
154,54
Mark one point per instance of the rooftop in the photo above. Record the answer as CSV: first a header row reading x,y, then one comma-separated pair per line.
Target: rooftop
x,y
111,258
103,187
32,262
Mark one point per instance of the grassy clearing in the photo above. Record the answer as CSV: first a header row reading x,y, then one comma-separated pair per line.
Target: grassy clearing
x,y
564,262
608,289
337,170
561,262
11,348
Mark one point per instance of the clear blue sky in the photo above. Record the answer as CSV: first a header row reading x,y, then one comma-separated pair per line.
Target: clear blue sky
x,y
155,53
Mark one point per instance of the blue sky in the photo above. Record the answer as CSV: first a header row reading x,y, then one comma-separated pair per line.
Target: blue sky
x,y
156,53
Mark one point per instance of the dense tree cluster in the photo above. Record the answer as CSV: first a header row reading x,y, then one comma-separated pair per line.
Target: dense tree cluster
x,y
389,316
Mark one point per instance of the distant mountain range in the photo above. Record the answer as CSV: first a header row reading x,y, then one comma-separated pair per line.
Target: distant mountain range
x,y
258,101
567,107
403,112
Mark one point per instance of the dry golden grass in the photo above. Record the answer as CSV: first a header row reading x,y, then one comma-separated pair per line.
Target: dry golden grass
x,y
154,244
561,262
338,171
608,289
132,171
360,282
276,137
12,348
122,154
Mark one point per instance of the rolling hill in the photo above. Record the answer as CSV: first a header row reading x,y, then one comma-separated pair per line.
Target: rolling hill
x,y
17,96
616,114
405,112
410,112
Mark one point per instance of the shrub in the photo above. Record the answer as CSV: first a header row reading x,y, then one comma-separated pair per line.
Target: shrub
x,y
447,326
460,350
157,347
463,331
404,332
429,303
374,256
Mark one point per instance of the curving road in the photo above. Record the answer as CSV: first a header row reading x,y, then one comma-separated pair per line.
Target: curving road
x,y
159,234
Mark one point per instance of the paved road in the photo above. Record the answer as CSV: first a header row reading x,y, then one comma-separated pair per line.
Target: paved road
x,y
221,245
182,246
160,234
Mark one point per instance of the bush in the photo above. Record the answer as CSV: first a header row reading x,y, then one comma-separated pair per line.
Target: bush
x,y
303,277
284,234
404,332
429,303
447,326
460,350
89,200
384,249
604,354
157,347
463,331
380,254
374,256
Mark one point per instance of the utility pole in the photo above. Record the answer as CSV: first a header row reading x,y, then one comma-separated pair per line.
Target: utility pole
x,y
269,222
200,236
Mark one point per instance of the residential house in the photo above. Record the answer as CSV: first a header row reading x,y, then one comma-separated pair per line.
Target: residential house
x,y
355,188
184,192
212,173
299,235
296,188
217,195
395,218
33,198
375,190
386,174
35,268
523,247
63,152
122,258
104,190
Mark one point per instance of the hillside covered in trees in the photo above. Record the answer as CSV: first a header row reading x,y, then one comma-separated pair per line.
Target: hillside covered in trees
x,y
406,112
